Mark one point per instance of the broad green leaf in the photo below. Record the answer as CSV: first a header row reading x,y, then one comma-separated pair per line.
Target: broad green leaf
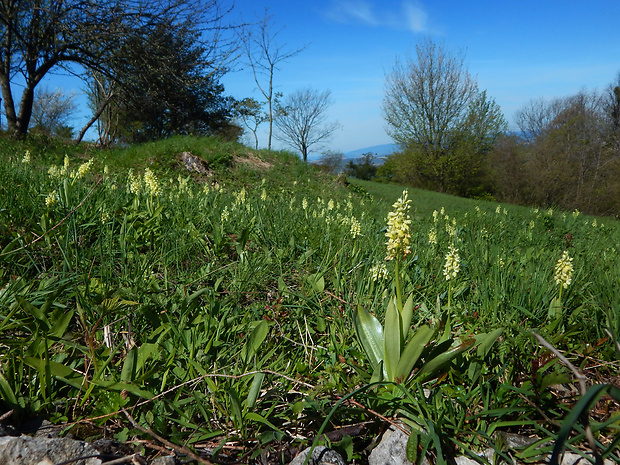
x,y
411,354
257,337
432,367
370,335
316,282
146,351
555,308
486,341
34,311
259,418
58,370
61,324
255,390
319,284
393,341
128,373
377,373
131,388
195,295
553,379
406,317
6,393
346,444
235,404
412,447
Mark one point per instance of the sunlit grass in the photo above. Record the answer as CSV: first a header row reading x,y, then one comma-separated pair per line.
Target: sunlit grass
x,y
161,282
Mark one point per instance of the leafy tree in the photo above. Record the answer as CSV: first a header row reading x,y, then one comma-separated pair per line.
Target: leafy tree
x,y
166,87
443,123
302,120
264,55
568,157
41,35
365,167
571,160
250,112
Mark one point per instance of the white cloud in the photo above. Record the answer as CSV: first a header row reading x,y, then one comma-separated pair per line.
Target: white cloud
x,y
416,17
357,10
411,15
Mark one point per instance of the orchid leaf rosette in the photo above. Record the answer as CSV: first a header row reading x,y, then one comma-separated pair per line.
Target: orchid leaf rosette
x,y
391,354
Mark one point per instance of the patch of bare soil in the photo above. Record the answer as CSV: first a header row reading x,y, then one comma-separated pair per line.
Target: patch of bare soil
x,y
253,161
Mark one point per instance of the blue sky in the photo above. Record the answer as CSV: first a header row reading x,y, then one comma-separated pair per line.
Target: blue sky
x,y
517,50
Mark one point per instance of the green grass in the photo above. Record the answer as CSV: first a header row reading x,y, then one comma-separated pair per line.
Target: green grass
x,y
219,310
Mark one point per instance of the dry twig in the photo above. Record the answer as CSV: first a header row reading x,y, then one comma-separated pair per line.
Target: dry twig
x,y
180,449
582,387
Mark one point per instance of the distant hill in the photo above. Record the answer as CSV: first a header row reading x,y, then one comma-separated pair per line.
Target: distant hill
x,y
379,150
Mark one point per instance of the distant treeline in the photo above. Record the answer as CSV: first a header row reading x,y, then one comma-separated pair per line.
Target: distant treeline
x,y
565,154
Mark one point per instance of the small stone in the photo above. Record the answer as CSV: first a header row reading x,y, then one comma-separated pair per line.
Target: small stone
x,y
569,458
167,460
516,441
392,450
321,455
462,460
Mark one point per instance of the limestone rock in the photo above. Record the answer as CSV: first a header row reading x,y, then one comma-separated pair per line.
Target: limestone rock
x,y
26,450
392,450
194,163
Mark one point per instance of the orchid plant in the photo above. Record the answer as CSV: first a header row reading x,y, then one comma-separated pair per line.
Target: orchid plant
x,y
391,355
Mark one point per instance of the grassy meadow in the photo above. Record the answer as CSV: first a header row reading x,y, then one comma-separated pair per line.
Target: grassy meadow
x,y
221,311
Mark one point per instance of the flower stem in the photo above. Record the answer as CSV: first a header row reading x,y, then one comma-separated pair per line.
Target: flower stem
x,y
399,297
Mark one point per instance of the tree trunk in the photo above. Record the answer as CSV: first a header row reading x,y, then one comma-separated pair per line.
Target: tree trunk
x,y
25,111
9,104
95,117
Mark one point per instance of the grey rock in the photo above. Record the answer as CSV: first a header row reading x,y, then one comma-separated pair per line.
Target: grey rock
x,y
194,163
465,461
516,441
570,458
26,450
392,450
393,446
321,455
47,430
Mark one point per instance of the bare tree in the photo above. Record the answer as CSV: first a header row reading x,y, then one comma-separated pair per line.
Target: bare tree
x,y
51,110
301,120
612,103
332,161
426,99
534,118
264,55
102,92
436,113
